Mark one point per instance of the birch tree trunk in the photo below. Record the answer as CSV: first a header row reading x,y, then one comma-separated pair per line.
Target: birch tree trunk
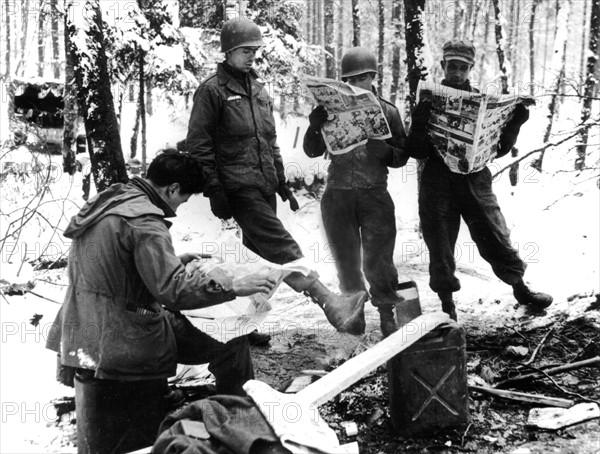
x,y
330,64
355,23
557,67
397,22
95,98
590,81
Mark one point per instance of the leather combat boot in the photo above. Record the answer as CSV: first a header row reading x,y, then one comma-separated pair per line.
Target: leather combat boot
x,y
534,300
345,313
448,304
388,322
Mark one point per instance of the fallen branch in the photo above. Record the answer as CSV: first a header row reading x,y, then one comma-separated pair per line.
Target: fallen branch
x,y
592,362
524,397
537,150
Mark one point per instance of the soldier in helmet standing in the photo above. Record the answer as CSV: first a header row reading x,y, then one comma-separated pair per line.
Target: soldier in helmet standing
x,y
445,197
232,131
357,210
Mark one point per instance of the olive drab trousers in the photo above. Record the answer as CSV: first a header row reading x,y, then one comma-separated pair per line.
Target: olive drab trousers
x,y
445,197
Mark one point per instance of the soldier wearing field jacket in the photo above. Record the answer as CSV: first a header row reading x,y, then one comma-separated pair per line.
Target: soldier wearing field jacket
x,y
445,197
357,209
232,131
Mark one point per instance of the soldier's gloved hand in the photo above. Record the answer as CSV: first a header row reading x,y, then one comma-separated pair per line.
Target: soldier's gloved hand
x,y
317,117
520,116
420,116
379,148
286,194
219,205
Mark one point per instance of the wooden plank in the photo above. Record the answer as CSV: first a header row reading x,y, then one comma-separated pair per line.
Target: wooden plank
x,y
557,418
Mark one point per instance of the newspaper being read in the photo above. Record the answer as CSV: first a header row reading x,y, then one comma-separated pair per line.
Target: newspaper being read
x,y
355,115
465,127
226,321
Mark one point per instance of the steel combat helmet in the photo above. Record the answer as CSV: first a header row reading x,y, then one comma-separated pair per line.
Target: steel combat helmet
x,y
358,60
240,33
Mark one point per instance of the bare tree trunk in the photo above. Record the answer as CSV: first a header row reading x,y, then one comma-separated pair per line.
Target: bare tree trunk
x,y
584,43
340,39
457,18
516,44
330,64
476,10
486,37
149,103
558,68
96,100
41,40
136,130
309,20
500,46
532,48
70,98
413,20
55,40
7,5
380,47
24,22
355,23
315,22
547,34
590,81
397,21
143,110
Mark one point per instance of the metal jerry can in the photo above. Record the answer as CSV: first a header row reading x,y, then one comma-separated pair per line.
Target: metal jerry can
x,y
428,382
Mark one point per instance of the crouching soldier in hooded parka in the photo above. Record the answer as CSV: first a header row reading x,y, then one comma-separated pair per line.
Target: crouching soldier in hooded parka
x,y
113,332
357,209
445,197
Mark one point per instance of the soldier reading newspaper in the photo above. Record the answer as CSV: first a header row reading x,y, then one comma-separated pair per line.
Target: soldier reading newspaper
x,y
465,126
354,114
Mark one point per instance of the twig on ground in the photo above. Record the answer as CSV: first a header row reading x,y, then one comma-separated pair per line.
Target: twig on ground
x,y
556,370
539,347
566,391
462,439
524,397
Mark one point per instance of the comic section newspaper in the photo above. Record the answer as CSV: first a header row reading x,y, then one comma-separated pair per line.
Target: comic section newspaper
x,y
465,127
355,115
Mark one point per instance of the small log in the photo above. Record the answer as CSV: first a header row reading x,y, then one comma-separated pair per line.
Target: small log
x,y
524,397
592,362
557,418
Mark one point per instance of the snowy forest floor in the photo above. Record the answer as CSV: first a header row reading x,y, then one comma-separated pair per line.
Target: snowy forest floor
x,y
555,225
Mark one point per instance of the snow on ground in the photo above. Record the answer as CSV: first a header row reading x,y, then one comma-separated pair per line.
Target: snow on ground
x,y
554,220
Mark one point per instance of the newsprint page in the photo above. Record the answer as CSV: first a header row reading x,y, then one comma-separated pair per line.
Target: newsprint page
x,y
465,127
355,115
